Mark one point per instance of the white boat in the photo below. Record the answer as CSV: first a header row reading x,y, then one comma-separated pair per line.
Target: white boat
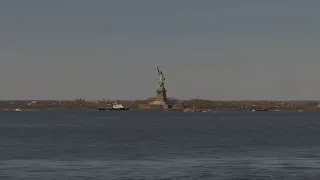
x,y
117,106
18,109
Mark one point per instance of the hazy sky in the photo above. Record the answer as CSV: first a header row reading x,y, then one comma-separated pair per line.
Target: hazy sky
x,y
227,49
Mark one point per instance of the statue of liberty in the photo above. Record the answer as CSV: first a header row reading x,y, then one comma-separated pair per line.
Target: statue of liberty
x,y
161,78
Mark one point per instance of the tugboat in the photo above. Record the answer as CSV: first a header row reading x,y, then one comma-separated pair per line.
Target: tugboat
x,y
115,107
118,107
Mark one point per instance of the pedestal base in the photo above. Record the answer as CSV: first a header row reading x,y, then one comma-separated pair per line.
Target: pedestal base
x,y
159,102
161,96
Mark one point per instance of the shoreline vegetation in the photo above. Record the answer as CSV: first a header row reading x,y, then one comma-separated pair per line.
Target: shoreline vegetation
x,y
198,104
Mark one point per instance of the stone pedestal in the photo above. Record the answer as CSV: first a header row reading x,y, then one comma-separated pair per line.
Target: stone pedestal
x,y
159,101
161,98
161,95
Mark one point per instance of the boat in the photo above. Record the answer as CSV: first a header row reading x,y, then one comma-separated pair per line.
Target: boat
x,y
115,107
18,110
118,107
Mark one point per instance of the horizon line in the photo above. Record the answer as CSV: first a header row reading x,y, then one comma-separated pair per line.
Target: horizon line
x,y
148,98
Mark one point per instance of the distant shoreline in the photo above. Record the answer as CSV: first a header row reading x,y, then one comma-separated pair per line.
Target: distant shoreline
x,y
199,104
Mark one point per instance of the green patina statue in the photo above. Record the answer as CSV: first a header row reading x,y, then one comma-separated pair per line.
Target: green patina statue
x,y
161,78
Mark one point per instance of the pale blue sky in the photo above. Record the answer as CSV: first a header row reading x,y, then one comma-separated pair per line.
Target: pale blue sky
x,y
223,50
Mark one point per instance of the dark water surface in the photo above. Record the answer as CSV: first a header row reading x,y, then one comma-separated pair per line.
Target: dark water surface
x,y
76,145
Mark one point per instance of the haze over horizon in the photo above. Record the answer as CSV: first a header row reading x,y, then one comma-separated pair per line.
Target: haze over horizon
x,y
221,50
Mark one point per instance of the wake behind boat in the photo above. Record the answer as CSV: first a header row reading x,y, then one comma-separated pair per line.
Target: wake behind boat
x,y
254,110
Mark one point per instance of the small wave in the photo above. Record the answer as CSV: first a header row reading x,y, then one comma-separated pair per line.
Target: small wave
x,y
38,125
194,168
266,162
23,125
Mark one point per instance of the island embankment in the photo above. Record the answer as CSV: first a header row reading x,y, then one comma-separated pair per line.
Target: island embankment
x,y
199,104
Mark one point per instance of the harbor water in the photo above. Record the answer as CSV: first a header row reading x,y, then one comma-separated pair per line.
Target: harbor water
x,y
105,145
